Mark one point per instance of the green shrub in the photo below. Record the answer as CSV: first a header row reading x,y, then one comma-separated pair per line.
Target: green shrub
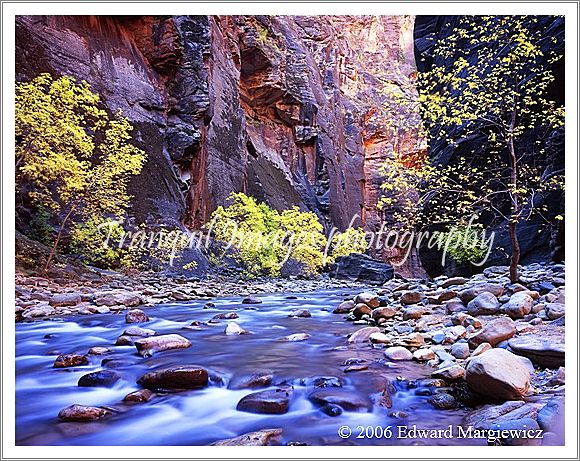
x,y
464,244
350,241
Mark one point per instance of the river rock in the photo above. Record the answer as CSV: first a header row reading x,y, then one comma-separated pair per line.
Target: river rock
x,y
295,337
360,310
498,374
184,377
70,360
274,401
125,341
555,310
138,331
233,329
146,346
262,437
139,396
450,373
344,307
115,298
370,299
260,379
452,281
447,295
413,312
83,414
460,350
299,313
39,310
551,415
225,316
519,305
102,378
442,401
65,299
136,316
483,304
423,355
380,338
99,350
494,332
361,268
251,300
363,335
397,353
347,400
470,293
506,428
543,352
483,347
411,297
383,313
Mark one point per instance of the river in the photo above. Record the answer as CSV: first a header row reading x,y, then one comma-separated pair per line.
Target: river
x,y
200,417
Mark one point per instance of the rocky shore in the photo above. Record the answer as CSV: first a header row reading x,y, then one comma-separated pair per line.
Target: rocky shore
x,y
493,349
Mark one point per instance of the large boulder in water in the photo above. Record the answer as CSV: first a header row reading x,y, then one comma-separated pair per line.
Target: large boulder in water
x,y
361,268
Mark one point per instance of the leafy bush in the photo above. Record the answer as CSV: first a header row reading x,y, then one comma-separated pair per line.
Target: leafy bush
x,y
264,239
464,244
350,241
97,241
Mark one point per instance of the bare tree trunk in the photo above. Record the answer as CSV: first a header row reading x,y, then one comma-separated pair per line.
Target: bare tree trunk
x,y
513,223
57,241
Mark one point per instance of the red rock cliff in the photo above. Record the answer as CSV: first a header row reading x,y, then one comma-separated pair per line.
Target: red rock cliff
x,y
283,108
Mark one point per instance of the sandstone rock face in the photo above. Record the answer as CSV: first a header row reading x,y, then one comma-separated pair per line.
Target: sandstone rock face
x,y
275,106
498,374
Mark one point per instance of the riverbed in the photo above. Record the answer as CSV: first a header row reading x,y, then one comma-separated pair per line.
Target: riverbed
x,y
398,392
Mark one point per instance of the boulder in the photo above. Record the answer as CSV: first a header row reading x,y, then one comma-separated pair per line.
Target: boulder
x,y
259,438
274,401
413,312
251,300
411,297
470,293
452,281
299,313
519,305
184,377
295,337
361,268
39,310
498,374
70,360
65,299
450,373
483,304
103,378
547,353
146,346
233,329
136,316
397,353
370,299
442,401
360,310
555,310
99,350
423,355
138,331
494,332
380,338
383,313
139,396
344,307
346,399
82,414
363,335
118,297
460,350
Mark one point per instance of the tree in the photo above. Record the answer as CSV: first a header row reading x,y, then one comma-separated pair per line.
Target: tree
x,y
490,82
74,158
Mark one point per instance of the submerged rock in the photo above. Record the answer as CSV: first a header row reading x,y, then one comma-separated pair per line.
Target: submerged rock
x,y
267,402
82,413
139,396
103,378
184,377
347,400
70,360
151,344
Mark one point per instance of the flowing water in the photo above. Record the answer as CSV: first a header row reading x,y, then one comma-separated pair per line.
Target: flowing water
x,y
199,417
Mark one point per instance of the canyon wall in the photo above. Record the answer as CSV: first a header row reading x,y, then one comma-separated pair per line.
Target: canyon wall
x,y
284,108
